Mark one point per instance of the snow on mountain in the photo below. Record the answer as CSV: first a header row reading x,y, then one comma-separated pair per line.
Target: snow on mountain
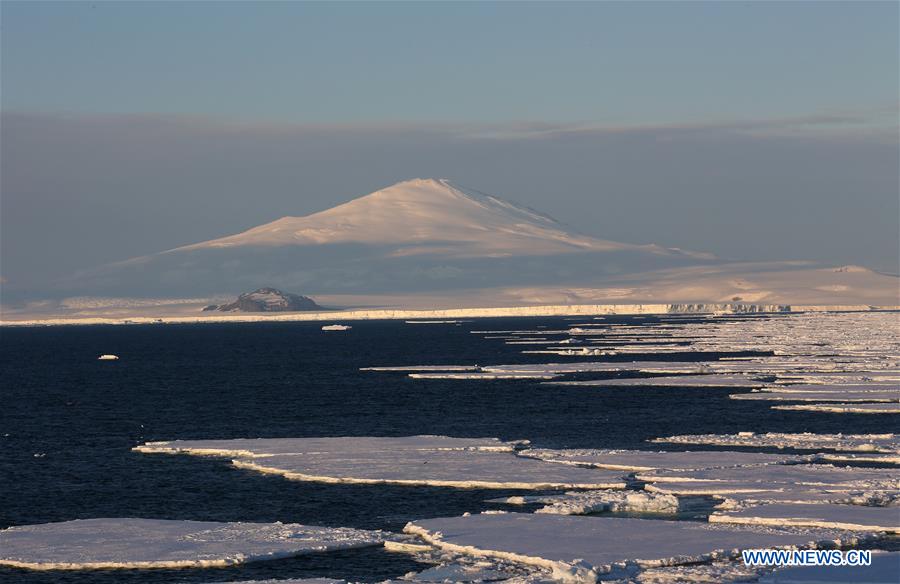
x,y
428,216
428,243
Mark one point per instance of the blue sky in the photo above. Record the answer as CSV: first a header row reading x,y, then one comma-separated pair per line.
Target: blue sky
x,y
753,130
604,62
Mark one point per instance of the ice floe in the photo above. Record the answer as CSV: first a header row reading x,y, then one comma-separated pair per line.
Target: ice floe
x,y
288,581
828,515
887,443
674,381
823,475
579,548
891,395
410,460
643,460
885,569
159,543
265,447
584,502
721,572
839,408
601,367
487,376
404,368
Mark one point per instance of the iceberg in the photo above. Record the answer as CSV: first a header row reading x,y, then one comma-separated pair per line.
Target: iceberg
x,y
159,543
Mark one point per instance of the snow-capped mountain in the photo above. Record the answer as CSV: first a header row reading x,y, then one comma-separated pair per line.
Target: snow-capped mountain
x,y
428,216
429,238
415,236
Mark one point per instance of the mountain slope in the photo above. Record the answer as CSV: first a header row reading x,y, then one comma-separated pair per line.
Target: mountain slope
x,y
428,216
428,243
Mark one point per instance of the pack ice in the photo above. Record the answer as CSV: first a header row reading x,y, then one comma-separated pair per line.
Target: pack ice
x,y
886,443
410,460
159,543
673,381
580,549
854,517
643,460
840,408
885,569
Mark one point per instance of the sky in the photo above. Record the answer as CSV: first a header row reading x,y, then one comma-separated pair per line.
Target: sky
x,y
754,130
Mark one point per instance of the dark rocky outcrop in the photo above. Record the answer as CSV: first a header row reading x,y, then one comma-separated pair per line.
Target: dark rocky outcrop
x,y
269,300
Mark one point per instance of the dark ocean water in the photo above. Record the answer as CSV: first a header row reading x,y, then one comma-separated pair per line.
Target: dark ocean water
x,y
82,416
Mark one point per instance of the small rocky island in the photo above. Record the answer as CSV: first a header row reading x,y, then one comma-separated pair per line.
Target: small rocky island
x,y
267,300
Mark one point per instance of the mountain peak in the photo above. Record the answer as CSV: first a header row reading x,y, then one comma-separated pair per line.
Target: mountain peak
x,y
427,216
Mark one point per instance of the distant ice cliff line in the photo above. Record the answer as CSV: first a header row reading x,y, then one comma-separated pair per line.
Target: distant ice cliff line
x,y
400,314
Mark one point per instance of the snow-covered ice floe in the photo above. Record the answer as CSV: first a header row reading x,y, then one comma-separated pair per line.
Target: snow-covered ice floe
x,y
580,549
741,487
405,368
886,396
885,569
674,381
839,408
887,443
411,460
288,581
643,460
158,543
436,321
600,367
835,388
781,474
829,515
719,572
487,376
585,502
876,457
